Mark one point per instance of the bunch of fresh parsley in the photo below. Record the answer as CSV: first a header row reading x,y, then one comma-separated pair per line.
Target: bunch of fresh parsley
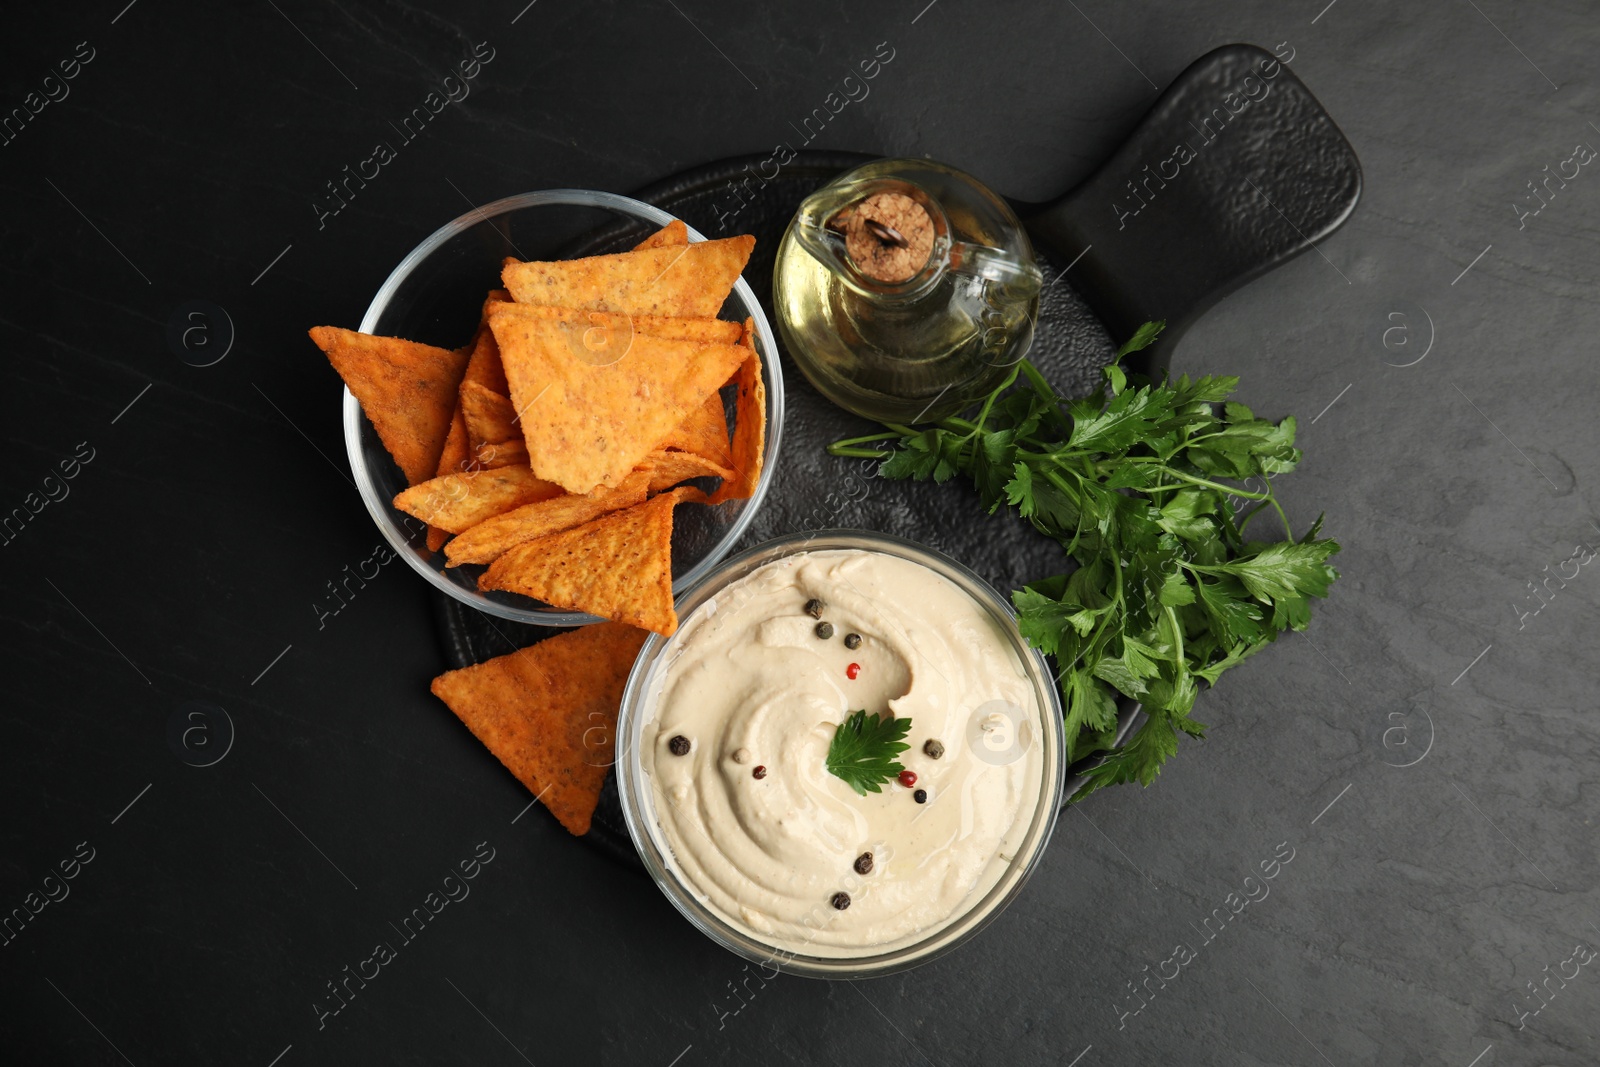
x,y
1130,481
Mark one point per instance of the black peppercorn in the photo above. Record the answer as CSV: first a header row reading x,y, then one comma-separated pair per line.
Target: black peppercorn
x,y
920,796
864,863
814,608
840,901
678,746
852,640
824,630
933,748
759,772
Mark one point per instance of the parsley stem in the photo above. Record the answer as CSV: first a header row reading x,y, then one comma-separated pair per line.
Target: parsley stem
x,y
1111,609
846,447
1177,635
1273,500
1187,441
1053,476
1288,531
1045,390
886,436
983,415
1217,485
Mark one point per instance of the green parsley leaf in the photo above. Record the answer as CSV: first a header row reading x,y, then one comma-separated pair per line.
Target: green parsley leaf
x,y
1142,338
864,748
1089,705
1044,621
1140,759
1211,389
1285,569
1130,416
1117,378
1176,591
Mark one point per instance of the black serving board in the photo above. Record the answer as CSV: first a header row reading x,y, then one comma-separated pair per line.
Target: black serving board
x,y
1276,177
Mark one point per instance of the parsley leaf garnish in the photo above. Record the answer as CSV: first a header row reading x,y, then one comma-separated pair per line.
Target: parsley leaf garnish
x,y
1133,482
864,748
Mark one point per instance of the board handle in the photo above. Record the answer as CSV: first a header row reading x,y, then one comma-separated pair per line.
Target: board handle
x,y
1235,170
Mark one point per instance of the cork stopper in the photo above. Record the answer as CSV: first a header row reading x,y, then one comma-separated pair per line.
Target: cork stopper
x,y
888,237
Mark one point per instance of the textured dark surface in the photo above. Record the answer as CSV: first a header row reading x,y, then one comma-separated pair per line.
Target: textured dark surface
x,y
190,560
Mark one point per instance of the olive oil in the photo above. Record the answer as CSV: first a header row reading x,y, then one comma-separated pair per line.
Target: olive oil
x,y
882,329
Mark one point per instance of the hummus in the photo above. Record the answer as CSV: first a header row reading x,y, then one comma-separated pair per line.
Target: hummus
x,y
737,733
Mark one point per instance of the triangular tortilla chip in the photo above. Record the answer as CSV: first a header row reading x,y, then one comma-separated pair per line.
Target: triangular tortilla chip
x,y
663,470
512,453
673,233
457,502
691,280
483,367
493,297
549,713
606,332
688,494
749,427
704,433
407,389
452,458
618,567
489,415
492,538
587,424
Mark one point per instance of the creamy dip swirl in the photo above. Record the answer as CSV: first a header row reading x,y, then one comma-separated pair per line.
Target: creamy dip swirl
x,y
750,684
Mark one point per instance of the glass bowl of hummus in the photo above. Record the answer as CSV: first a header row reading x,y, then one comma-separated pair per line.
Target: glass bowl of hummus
x,y
729,757
435,295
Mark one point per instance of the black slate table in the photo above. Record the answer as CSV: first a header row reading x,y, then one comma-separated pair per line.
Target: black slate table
x,y
248,788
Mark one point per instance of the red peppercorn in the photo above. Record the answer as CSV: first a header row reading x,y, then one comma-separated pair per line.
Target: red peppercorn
x,y
908,778
759,772
851,671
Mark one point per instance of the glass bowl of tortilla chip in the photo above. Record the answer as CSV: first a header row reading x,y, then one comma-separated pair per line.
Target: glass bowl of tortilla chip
x,y
486,489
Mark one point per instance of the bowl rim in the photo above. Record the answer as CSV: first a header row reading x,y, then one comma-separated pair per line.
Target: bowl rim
x,y
382,510
652,847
